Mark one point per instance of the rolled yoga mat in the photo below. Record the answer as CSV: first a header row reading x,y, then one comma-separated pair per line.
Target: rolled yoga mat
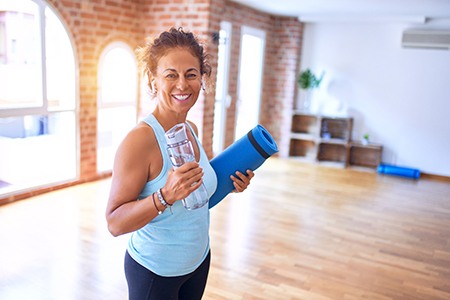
x,y
249,152
399,171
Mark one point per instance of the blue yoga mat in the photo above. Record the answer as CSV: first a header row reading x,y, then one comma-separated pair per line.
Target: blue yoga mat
x,y
398,171
249,152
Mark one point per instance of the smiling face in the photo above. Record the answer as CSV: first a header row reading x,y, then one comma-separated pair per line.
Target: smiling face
x,y
178,81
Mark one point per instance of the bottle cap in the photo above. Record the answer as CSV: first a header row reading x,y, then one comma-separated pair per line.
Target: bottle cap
x,y
176,134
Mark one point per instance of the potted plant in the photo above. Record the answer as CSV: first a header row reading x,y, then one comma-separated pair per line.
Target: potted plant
x,y
308,81
365,140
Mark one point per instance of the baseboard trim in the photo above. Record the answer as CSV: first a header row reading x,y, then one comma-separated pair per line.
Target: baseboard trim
x,y
435,177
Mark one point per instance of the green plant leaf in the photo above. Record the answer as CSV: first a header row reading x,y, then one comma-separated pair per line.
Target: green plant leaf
x,y
307,80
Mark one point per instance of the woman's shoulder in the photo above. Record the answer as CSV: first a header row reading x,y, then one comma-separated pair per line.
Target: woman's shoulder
x,y
141,137
194,127
142,130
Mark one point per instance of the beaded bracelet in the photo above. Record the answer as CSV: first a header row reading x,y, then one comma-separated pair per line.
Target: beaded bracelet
x,y
161,199
154,203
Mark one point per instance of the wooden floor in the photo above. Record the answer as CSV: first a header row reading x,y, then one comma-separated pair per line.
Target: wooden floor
x,y
301,231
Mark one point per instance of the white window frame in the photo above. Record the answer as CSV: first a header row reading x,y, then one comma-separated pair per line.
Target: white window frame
x,y
224,99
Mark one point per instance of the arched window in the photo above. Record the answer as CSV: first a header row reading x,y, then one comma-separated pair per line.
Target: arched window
x,y
38,144
117,101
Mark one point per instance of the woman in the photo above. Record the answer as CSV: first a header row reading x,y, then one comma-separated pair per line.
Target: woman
x,y
168,253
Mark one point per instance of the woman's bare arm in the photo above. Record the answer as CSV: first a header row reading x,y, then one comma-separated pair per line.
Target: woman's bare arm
x,y
130,173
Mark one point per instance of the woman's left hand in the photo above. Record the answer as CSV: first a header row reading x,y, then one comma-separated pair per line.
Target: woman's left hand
x,y
241,181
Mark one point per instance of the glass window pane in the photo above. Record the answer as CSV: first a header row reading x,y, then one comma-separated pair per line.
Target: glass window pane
x,y
113,126
36,150
118,83
118,77
20,55
59,52
250,82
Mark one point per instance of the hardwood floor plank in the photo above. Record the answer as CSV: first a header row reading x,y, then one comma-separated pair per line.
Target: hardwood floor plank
x,y
301,231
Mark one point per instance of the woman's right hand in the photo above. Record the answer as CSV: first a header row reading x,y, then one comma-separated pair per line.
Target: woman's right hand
x,y
182,181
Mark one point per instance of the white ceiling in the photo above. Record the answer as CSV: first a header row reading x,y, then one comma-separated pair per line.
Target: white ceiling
x,y
310,10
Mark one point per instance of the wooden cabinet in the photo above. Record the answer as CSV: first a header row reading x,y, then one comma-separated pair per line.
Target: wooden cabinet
x,y
328,139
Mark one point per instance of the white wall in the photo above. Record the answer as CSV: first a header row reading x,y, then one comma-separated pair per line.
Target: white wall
x,y
401,97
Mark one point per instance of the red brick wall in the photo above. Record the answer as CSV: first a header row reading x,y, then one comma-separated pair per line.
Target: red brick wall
x,y
93,24
280,79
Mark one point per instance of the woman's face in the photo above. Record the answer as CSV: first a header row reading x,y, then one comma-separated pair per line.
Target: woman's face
x,y
178,80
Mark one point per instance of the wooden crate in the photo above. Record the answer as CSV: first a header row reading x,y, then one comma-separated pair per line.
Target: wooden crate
x,y
332,152
365,155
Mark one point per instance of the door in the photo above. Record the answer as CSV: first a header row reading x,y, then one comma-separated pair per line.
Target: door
x,y
250,80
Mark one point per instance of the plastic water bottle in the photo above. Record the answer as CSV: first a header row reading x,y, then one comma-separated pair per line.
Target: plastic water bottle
x,y
180,151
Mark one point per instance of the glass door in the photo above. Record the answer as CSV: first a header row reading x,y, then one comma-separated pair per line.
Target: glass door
x,y
250,80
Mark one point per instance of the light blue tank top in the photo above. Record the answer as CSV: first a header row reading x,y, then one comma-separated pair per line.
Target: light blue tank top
x,y
173,244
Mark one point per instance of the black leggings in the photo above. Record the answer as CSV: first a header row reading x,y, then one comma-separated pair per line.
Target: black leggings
x,y
143,284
